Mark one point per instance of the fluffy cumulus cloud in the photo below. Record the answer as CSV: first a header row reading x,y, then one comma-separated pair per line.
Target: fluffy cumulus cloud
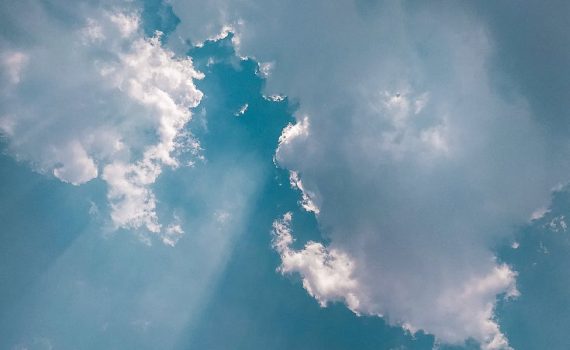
x,y
90,96
417,150
327,273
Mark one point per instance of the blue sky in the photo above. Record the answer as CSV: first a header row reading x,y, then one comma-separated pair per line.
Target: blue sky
x,y
363,175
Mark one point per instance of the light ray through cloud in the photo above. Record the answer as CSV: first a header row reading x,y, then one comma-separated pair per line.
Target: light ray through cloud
x,y
365,174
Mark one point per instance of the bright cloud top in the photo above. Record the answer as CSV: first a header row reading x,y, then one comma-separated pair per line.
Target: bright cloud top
x,y
327,274
100,100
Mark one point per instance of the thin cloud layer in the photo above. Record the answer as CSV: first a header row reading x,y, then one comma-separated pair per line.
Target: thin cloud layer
x,y
406,142
93,97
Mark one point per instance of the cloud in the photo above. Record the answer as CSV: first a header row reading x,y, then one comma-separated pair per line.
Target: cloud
x,y
539,253
327,273
420,158
307,198
79,167
105,282
411,149
93,97
13,63
242,110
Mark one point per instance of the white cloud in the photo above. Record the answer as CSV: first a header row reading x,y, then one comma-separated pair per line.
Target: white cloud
x,y
133,204
420,160
478,321
173,233
119,107
307,198
290,133
265,68
327,273
92,32
78,167
275,98
127,23
242,110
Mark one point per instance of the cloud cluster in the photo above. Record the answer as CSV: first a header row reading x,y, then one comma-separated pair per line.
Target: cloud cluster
x,y
91,96
414,151
418,156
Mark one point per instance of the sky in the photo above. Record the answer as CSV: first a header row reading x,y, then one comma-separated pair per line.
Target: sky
x,y
245,174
